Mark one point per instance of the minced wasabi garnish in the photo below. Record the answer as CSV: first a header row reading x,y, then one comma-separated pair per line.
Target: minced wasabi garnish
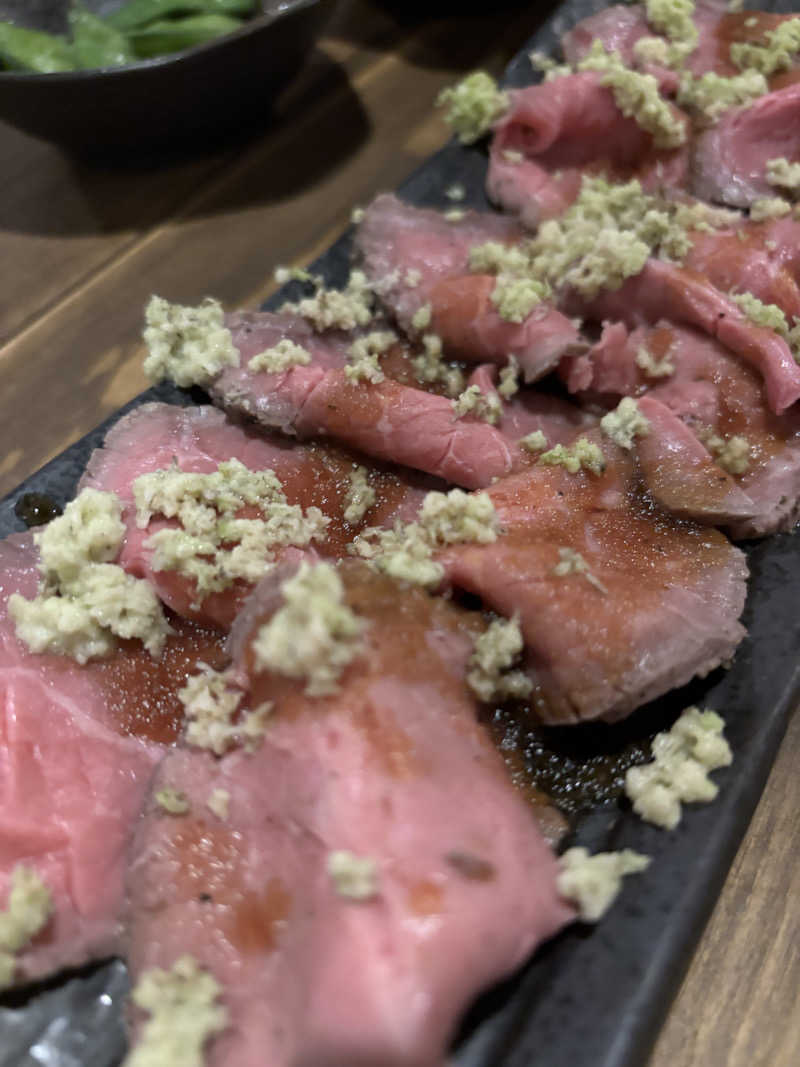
x,y
184,1009
314,635
653,51
214,721
405,551
473,106
84,601
572,562
364,356
533,442
495,650
777,53
770,317
212,546
683,757
769,207
189,345
711,94
625,423
172,801
652,367
341,309
675,19
583,454
473,401
29,907
360,495
281,357
509,379
354,877
783,174
637,96
593,883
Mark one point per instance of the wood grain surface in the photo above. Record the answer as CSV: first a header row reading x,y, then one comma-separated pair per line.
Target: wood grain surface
x,y
82,248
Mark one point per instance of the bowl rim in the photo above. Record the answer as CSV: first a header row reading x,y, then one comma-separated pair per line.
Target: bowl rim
x,y
257,22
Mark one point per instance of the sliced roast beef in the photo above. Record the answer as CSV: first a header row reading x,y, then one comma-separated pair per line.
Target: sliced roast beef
x,y
714,393
393,769
762,258
556,132
729,159
154,436
416,257
664,291
647,603
78,748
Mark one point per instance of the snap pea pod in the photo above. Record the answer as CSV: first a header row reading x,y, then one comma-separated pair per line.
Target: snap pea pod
x,y
139,13
173,35
31,50
95,43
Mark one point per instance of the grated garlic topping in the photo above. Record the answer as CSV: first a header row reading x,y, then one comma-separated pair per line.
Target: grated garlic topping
x,y
473,106
572,562
625,423
769,207
281,357
360,495
711,95
732,453
190,345
172,801
364,356
341,309
473,401
782,173
405,551
29,907
430,367
509,379
85,602
652,367
583,454
218,803
213,720
314,635
683,757
776,53
211,545
488,674
593,883
533,442
354,877
185,1013
770,317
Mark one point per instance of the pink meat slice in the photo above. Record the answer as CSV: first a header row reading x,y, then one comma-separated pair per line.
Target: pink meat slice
x,y
710,389
564,129
391,768
668,603
664,291
729,158
78,749
395,238
762,258
154,436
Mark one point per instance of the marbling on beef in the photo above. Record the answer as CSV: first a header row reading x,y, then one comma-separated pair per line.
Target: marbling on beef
x,y
664,291
78,749
665,610
395,238
198,439
729,159
712,391
566,128
393,768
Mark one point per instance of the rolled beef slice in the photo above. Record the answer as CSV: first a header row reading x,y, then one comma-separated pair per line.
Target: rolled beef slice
x,y
392,768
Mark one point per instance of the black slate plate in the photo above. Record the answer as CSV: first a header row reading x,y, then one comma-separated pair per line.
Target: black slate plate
x,y
592,997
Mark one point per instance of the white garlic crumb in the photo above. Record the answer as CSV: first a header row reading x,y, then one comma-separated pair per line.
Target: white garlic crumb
x,y
509,379
218,803
29,907
683,757
189,345
583,454
421,318
473,401
593,883
495,650
652,367
625,423
354,877
281,357
572,562
212,706
172,801
533,442
360,495
185,1013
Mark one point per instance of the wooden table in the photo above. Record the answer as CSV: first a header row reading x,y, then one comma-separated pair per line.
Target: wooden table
x,y
82,248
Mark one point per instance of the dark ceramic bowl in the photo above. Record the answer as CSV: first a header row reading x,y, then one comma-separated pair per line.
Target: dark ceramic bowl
x,y
188,98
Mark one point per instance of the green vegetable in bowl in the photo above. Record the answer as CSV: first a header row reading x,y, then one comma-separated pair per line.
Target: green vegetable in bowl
x,y
139,13
95,43
173,35
40,53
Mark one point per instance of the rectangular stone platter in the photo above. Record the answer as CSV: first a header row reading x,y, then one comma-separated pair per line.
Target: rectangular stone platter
x,y
593,997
